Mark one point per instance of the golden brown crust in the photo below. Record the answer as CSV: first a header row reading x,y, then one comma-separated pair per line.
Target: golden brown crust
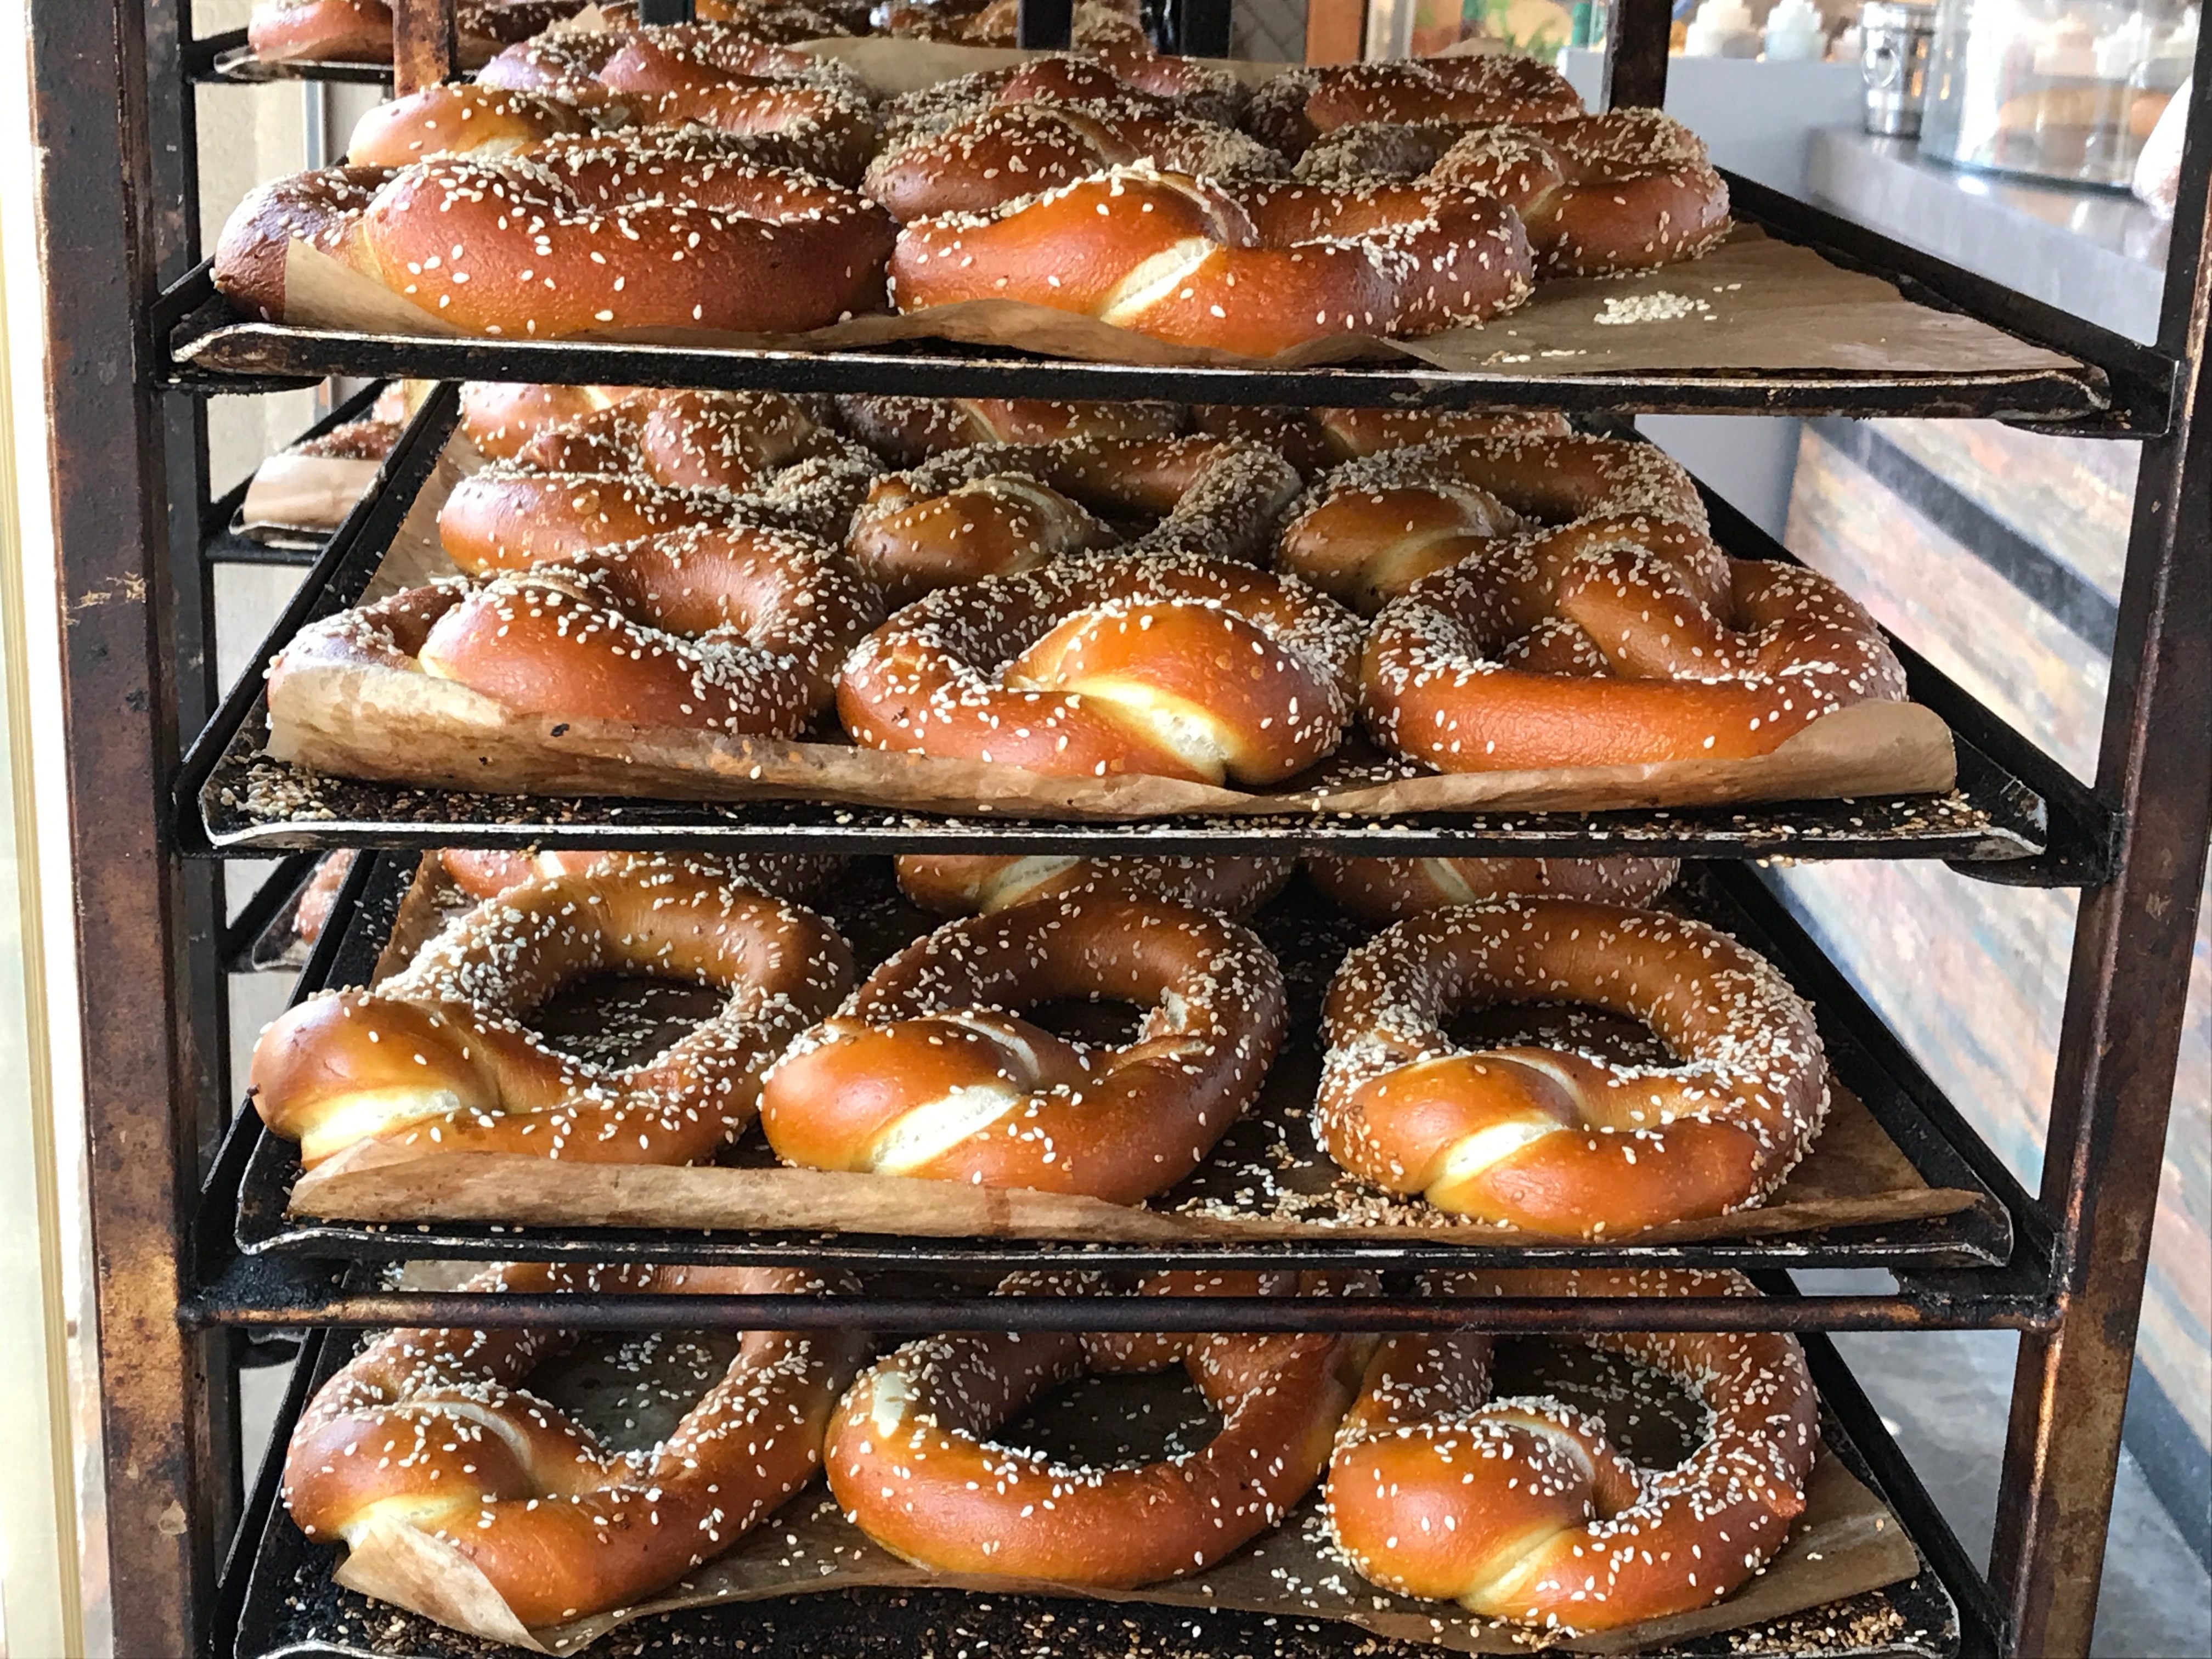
x,y
437,1058
1522,1509
1390,889
906,431
1250,268
484,874
1555,1141
929,1071
1293,110
964,884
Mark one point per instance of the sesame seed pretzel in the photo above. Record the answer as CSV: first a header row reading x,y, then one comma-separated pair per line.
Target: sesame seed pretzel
x,y
1630,189
1368,530
1555,1141
1105,664
1521,1509
927,1070
911,1458
433,1431
1315,439
501,417
999,509
663,228
1390,889
437,1056
654,462
1296,107
960,885
483,873
1615,643
1010,150
1243,268
909,430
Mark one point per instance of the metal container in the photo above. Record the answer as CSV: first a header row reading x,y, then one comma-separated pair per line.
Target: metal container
x,y
1895,40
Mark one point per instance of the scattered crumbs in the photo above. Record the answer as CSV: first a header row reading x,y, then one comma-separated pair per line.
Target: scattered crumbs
x,y
1660,305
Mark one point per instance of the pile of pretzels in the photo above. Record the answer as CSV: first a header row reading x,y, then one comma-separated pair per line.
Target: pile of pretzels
x,y
945,1063
1104,592
713,177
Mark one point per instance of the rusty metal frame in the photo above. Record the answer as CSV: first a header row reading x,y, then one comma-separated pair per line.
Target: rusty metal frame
x,y
113,115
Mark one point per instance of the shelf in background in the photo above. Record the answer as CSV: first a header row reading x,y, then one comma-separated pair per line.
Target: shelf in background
x,y
277,1600
225,59
261,1265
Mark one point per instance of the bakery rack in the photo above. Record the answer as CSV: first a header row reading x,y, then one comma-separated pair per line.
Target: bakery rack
x,y
195,1265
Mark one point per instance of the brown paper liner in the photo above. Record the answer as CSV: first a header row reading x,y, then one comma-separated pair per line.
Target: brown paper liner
x,y
1768,307
1845,1543
305,492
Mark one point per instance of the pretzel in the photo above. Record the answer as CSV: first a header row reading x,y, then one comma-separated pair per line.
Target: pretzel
x,y
959,885
1523,1509
740,630
431,1431
764,20
911,1458
483,873
1010,150
501,417
999,509
656,229
1254,269
1107,665
311,911
1368,530
928,1069
654,462
1133,80
1299,106
451,118
906,430
1389,890
1606,644
437,1056
1556,1142
359,31
1630,190
1315,439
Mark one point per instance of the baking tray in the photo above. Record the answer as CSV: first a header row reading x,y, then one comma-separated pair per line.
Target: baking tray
x,y
225,536
1308,937
225,780
276,1599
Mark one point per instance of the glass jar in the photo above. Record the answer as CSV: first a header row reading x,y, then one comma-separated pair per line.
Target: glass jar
x,y
2059,89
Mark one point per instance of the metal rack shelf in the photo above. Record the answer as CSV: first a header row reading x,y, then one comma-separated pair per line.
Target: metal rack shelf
x,y
278,1601
1992,817
226,60
225,539
245,1212
114,115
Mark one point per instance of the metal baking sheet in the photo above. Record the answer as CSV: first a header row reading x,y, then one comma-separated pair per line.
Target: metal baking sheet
x,y
278,1601
1308,937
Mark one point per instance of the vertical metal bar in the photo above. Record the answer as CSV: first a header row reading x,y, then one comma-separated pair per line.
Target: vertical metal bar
x,y
1044,25
1636,36
2125,995
104,221
425,46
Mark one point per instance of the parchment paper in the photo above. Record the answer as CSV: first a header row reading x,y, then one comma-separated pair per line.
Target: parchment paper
x,y
1267,1179
1753,304
305,492
1845,1542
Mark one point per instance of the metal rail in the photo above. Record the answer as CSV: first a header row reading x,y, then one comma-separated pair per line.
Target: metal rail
x,y
112,114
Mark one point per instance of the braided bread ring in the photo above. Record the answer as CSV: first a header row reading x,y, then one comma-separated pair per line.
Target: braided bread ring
x,y
482,873
911,1458
1295,108
999,509
501,417
430,1429
455,119
658,229
1599,645
957,884
1315,440
569,65
1522,1509
1255,270
924,1073
437,1056
907,430
1390,889
1101,666
1552,1141
1010,150
740,630
1630,189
